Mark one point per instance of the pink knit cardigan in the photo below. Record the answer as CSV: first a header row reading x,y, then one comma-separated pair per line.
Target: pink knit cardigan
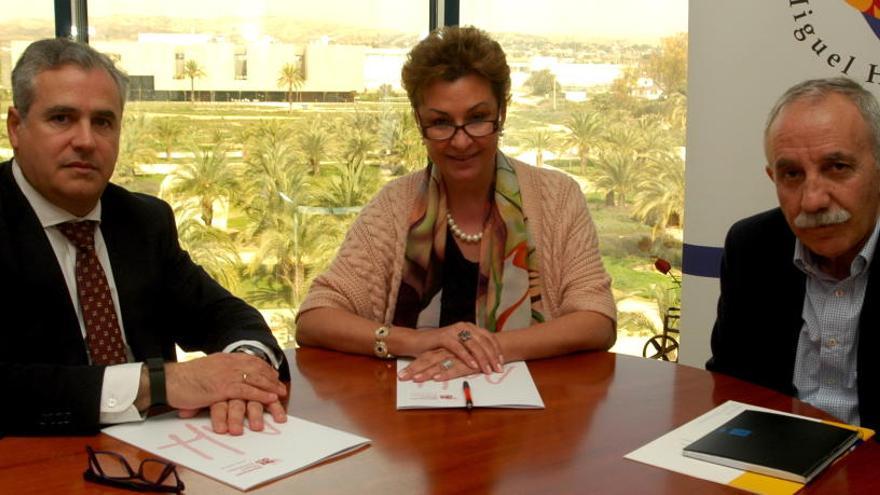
x,y
365,275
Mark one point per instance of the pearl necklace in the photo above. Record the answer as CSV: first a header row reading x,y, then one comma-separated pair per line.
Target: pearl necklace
x,y
457,232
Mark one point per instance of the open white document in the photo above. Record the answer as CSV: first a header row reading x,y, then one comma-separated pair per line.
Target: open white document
x,y
511,388
666,452
244,461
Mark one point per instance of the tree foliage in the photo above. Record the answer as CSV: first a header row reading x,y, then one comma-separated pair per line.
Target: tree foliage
x,y
291,79
659,200
617,176
585,129
134,147
668,65
315,143
206,179
276,188
192,71
540,140
352,184
541,82
213,249
167,133
401,140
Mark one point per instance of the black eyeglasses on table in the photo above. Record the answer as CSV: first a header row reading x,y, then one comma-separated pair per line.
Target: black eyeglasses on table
x,y
153,475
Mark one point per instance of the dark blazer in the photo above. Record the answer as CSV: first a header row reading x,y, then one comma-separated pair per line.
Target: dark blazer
x,y
759,312
46,384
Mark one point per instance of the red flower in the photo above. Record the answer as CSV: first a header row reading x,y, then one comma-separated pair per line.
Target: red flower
x,y
662,266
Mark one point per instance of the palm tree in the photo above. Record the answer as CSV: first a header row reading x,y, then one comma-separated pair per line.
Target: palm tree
x,y
290,78
315,144
623,137
540,141
675,116
207,179
617,175
167,133
400,140
390,129
654,135
192,71
212,249
274,193
300,245
353,185
585,129
409,147
134,149
359,121
660,196
274,175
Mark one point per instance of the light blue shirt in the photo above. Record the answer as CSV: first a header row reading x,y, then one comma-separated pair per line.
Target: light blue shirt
x,y
825,369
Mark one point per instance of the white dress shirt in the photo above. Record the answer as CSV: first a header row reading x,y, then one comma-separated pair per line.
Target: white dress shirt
x,y
121,382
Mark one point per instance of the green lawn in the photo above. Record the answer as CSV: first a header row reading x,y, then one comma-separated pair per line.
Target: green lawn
x,y
632,276
627,249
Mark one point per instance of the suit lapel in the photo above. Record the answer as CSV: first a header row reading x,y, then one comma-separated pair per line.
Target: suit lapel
x,y
129,248
116,238
789,291
33,264
869,402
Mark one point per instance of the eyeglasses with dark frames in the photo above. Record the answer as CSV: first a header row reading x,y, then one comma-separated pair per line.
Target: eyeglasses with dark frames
x,y
474,129
153,475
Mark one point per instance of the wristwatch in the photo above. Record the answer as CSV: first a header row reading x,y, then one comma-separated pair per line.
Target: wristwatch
x,y
254,351
380,348
156,369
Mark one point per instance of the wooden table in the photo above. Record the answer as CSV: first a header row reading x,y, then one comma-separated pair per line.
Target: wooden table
x,y
600,406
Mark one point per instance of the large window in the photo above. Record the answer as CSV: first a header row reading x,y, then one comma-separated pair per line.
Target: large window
x,y
20,24
599,92
268,124
241,64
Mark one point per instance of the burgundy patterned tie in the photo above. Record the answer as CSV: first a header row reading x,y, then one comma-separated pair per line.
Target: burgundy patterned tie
x,y
103,335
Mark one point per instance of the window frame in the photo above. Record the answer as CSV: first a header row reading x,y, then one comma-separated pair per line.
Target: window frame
x,y
69,13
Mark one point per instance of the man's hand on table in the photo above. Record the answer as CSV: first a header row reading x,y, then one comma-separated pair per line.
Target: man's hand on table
x,y
233,385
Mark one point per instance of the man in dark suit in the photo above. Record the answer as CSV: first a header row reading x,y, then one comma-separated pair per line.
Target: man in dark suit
x,y
798,310
93,282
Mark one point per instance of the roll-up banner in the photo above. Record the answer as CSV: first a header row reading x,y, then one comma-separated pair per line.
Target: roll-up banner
x,y
743,55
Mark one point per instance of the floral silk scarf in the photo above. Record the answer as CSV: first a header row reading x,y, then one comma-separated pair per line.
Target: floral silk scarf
x,y
508,289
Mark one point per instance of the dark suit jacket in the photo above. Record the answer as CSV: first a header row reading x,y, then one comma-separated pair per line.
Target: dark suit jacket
x,y
46,384
759,312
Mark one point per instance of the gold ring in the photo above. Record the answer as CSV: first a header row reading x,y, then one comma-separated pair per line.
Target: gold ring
x,y
447,363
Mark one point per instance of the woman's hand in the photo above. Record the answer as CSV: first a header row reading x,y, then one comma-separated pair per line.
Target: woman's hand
x,y
468,345
438,365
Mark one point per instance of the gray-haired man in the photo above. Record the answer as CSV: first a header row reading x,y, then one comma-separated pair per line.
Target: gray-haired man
x,y
798,310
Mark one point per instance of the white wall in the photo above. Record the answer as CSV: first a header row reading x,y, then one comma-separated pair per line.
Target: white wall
x,y
742,56
327,67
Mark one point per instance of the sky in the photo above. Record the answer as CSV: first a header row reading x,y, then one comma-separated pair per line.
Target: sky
x,y
584,18
580,18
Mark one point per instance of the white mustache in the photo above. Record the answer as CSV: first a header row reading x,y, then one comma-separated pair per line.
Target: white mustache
x,y
821,219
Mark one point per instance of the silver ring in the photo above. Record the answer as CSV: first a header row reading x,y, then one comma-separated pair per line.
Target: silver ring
x,y
464,336
244,377
447,363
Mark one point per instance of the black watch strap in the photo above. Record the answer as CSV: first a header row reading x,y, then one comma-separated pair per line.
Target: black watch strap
x,y
156,367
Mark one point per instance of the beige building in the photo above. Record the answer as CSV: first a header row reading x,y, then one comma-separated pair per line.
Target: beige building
x,y
234,71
